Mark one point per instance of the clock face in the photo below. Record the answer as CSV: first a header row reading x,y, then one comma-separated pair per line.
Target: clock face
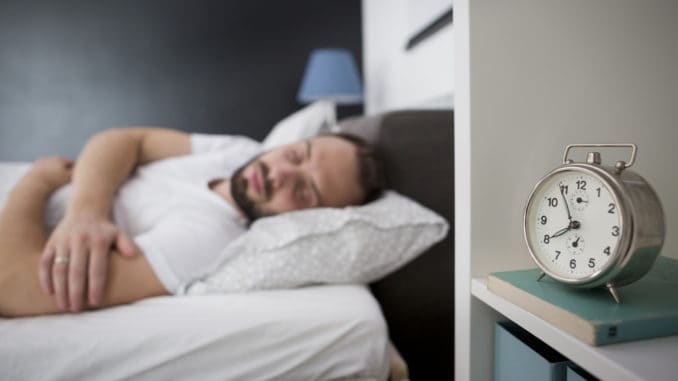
x,y
573,224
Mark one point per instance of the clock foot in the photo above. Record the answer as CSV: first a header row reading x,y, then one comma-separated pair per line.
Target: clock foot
x,y
541,276
613,291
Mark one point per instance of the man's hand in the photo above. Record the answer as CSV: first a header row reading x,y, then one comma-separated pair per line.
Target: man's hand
x,y
76,256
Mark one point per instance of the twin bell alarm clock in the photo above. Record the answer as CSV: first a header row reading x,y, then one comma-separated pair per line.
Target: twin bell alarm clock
x,y
589,225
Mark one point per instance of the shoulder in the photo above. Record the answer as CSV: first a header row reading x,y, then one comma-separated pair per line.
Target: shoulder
x,y
204,143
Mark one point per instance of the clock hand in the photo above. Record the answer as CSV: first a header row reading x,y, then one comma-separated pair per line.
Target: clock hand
x,y
560,232
567,208
570,226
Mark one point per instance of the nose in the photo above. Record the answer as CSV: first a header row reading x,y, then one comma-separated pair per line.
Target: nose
x,y
281,175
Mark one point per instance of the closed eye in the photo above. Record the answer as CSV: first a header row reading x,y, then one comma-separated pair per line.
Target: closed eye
x,y
294,156
317,200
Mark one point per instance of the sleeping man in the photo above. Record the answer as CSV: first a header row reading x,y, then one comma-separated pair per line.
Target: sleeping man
x,y
144,210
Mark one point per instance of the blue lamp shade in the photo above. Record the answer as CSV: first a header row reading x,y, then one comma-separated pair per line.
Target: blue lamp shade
x,y
331,74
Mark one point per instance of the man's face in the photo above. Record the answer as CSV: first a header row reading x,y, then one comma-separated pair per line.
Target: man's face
x,y
319,172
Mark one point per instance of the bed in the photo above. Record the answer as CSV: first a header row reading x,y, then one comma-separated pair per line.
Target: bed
x,y
315,333
418,300
337,332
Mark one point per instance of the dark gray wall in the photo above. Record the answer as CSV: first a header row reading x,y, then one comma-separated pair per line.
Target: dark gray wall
x,y
71,68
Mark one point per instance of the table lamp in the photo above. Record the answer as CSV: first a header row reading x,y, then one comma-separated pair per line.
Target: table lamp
x,y
331,75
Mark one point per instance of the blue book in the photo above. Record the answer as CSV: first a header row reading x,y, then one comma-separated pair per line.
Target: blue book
x,y
648,308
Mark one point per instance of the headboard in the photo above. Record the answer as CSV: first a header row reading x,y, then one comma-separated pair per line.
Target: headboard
x,y
418,300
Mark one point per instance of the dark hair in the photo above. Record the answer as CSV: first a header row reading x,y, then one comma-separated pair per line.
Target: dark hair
x,y
372,178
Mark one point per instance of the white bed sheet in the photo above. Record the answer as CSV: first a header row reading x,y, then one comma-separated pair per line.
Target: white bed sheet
x,y
313,333
10,173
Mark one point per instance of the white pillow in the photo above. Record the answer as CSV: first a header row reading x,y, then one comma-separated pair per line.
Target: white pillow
x,y
305,123
325,245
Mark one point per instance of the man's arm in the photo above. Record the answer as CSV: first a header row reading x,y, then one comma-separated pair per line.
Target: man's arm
x,y
86,234
109,157
22,239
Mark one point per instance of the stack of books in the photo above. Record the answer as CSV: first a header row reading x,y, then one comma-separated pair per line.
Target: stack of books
x,y
648,308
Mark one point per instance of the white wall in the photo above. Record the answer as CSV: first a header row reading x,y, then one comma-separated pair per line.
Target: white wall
x,y
548,73
544,74
396,78
462,192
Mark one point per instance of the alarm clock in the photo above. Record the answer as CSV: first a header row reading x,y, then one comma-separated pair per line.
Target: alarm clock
x,y
589,225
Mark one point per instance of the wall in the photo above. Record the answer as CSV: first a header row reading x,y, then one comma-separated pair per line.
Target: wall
x,y
71,68
396,78
462,192
544,74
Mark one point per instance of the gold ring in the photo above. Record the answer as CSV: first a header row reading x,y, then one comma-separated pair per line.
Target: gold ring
x,y
60,260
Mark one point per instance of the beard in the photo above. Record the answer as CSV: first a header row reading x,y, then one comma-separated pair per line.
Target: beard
x,y
239,186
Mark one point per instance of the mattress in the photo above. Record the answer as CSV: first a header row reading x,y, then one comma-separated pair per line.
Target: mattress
x,y
312,333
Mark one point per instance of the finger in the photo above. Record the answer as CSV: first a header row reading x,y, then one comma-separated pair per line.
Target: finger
x,y
125,245
59,274
45,269
98,269
77,268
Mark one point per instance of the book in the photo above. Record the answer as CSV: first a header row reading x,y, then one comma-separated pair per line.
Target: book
x,y
648,308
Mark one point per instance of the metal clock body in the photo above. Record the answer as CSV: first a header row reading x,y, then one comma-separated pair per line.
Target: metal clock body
x,y
589,225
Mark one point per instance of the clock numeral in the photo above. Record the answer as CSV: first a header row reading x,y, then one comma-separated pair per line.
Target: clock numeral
x,y
557,254
563,188
553,202
543,220
607,250
547,239
611,206
598,190
615,231
592,263
581,184
573,264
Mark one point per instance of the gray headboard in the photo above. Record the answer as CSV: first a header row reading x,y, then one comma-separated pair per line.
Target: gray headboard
x,y
418,300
